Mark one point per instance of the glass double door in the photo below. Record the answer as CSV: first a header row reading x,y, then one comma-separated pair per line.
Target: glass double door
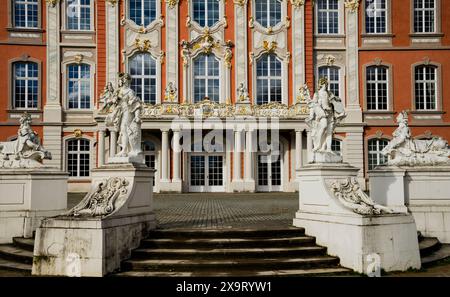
x,y
269,175
206,173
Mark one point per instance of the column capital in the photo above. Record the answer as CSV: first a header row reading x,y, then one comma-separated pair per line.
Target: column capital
x,y
165,130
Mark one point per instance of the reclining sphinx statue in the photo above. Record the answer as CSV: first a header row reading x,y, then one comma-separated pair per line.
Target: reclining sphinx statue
x,y
24,152
403,150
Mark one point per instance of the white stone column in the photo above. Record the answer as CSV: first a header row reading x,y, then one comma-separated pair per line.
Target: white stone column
x,y
298,149
101,147
112,40
249,181
176,156
298,43
172,44
309,145
354,113
237,156
112,143
165,156
240,34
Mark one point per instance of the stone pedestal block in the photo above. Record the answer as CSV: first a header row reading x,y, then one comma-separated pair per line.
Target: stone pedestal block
x,y
425,190
334,216
96,235
27,196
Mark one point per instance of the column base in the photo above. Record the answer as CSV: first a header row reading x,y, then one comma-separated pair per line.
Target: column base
x,y
237,185
168,186
249,185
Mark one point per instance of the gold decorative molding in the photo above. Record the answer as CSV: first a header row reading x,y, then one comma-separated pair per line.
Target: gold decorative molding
x,y
112,2
297,3
142,45
240,3
162,57
78,58
351,5
270,47
77,133
52,3
172,3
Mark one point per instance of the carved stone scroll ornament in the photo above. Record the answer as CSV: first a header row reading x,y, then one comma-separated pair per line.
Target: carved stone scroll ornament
x,y
103,200
350,194
26,151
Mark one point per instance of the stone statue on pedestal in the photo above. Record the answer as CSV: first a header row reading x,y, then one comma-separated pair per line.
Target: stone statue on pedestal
x,y
24,152
326,111
403,150
126,119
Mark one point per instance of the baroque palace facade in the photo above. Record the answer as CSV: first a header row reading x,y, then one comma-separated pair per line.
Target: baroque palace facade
x,y
229,67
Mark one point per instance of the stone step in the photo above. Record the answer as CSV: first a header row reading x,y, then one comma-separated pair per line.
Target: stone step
x,y
250,273
442,253
227,253
230,264
9,265
227,242
16,254
428,245
24,243
226,233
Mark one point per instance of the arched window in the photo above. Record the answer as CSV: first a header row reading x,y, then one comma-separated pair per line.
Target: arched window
x,y
268,79
78,157
78,15
142,69
26,85
377,88
336,146
332,74
206,12
206,78
79,86
327,17
142,12
268,12
375,158
425,87
424,16
26,13
376,16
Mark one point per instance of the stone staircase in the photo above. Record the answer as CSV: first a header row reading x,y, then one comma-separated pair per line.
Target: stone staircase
x,y
233,252
287,252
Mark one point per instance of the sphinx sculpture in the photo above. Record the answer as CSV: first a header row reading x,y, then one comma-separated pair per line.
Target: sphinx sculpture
x,y
125,118
24,152
326,111
403,150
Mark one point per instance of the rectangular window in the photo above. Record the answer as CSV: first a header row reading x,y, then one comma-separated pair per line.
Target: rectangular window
x,y
142,12
377,88
142,69
425,87
268,12
78,15
332,75
424,16
206,12
79,86
268,79
26,13
78,158
206,78
376,16
375,158
26,85
328,17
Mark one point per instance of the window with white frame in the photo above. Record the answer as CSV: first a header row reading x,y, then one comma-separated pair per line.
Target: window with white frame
x,y
206,12
376,16
78,157
425,87
206,78
26,13
78,14
26,85
375,158
268,79
268,12
336,146
328,16
142,12
142,69
331,73
377,88
79,86
424,16
149,150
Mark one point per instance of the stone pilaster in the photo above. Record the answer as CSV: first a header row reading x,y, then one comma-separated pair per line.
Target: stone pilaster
x,y
298,47
112,41
240,33
172,44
